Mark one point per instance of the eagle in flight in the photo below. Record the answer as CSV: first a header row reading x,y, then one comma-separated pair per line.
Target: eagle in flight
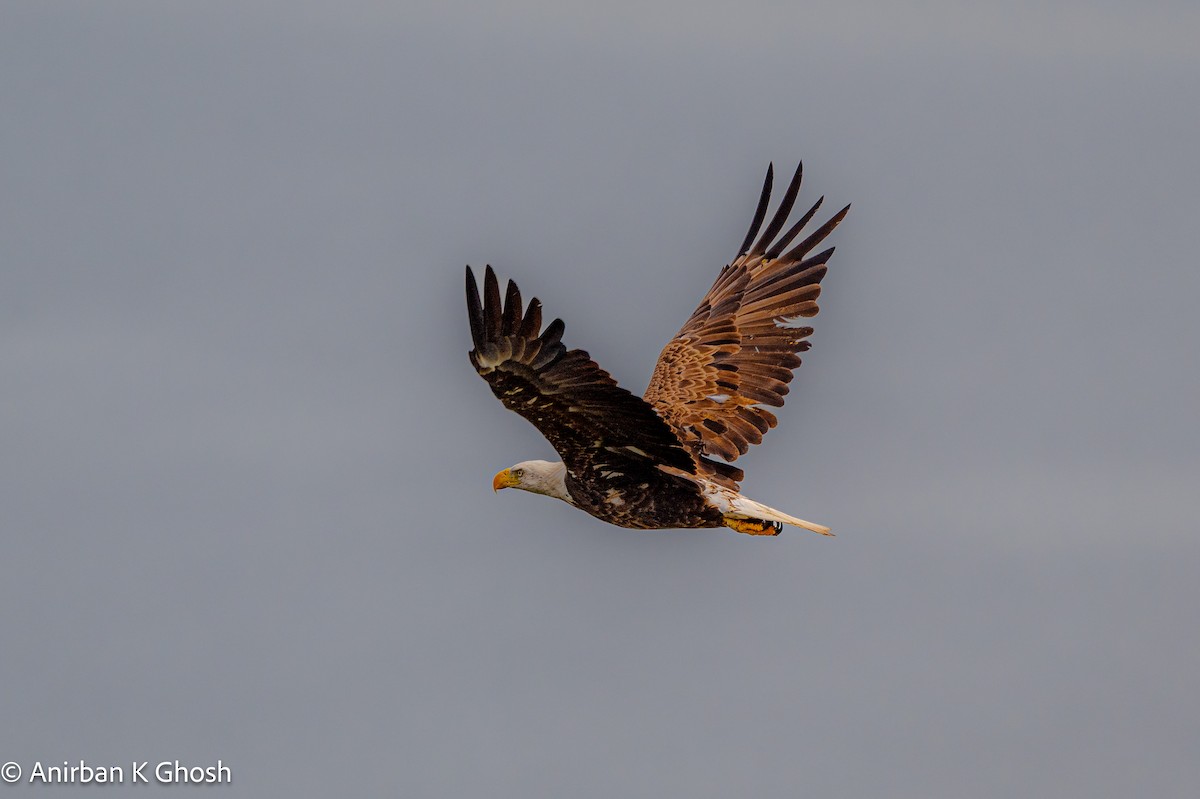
x,y
663,460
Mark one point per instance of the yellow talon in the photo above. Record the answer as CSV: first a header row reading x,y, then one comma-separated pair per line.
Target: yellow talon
x,y
753,526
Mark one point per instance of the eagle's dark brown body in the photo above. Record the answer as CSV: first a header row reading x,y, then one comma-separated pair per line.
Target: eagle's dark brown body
x,y
651,500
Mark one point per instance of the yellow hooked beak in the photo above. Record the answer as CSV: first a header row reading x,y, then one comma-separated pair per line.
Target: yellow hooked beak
x,y
504,479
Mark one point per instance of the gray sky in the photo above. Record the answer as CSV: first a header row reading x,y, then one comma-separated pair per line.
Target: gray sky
x,y
246,505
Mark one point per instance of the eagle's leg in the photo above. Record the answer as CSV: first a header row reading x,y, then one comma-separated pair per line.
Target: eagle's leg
x,y
753,526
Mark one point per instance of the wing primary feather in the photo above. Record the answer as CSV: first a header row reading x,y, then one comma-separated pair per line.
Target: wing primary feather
x,y
512,310
553,333
532,322
801,249
820,258
786,239
474,311
761,210
491,304
781,213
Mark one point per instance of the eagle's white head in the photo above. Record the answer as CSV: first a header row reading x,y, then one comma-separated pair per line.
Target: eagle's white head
x,y
540,477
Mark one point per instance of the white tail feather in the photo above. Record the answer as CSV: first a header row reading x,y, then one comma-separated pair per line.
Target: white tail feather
x,y
743,507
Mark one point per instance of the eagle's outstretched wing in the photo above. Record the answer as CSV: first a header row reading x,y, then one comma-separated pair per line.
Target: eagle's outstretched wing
x,y
591,421
736,353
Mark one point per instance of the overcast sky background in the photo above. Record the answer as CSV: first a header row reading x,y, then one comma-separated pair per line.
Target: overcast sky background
x,y
246,509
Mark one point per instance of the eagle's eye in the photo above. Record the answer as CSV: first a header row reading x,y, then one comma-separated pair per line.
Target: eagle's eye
x,y
518,473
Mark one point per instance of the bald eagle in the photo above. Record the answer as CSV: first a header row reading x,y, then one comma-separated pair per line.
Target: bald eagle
x,y
663,460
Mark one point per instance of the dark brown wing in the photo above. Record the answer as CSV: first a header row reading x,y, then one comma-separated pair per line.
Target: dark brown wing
x,y
736,353
576,405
